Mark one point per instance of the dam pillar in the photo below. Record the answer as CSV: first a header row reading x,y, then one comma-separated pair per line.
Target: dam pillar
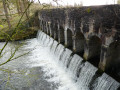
x,y
110,57
110,51
92,49
79,41
55,31
68,39
61,38
42,25
47,27
51,30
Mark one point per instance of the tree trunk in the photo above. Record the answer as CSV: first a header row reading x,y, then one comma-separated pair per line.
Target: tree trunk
x,y
18,8
6,13
25,3
21,6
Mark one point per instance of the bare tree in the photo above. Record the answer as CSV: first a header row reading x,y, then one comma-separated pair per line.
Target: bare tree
x,y
18,8
6,13
21,6
25,3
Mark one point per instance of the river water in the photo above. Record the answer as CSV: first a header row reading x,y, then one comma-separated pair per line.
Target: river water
x,y
37,70
49,66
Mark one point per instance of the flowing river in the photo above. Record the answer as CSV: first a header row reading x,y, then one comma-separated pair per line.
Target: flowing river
x,y
46,65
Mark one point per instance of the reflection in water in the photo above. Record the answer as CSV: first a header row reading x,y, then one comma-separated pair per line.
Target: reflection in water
x,y
35,71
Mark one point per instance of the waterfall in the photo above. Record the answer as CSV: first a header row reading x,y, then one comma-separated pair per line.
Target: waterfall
x,y
54,46
75,65
59,51
105,82
86,74
82,72
65,57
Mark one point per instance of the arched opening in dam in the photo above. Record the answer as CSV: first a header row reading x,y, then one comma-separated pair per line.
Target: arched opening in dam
x,y
61,37
79,43
44,26
113,59
69,40
93,50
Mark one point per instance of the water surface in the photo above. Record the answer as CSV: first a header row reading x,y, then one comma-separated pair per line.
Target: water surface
x,y
37,70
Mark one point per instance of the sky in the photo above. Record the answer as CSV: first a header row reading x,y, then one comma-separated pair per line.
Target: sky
x,y
85,2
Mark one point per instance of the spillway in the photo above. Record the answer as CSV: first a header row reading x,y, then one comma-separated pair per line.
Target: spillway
x,y
51,66
83,73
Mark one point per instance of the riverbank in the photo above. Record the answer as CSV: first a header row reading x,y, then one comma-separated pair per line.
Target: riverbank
x,y
20,31
20,35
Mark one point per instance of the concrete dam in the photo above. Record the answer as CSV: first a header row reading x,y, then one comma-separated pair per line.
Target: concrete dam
x,y
87,42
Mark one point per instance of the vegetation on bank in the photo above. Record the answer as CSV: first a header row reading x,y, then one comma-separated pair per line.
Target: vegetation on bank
x,y
17,22
23,31
9,31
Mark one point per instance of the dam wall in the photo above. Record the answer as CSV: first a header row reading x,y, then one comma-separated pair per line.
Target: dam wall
x,y
92,32
84,75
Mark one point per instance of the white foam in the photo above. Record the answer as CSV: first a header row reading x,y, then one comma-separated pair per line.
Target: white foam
x,y
42,57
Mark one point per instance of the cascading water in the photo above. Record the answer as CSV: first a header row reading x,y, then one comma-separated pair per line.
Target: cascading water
x,y
81,72
65,57
85,76
54,46
75,66
51,66
59,51
105,82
